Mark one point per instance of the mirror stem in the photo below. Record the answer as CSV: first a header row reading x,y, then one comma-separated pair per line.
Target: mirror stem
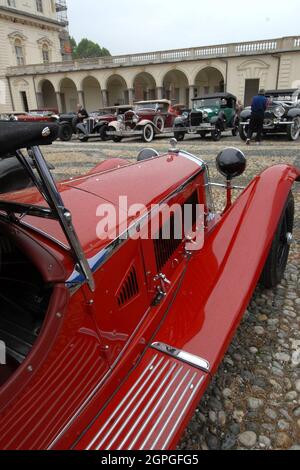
x,y
228,195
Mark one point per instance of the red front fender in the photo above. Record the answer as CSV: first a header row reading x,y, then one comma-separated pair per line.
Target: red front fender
x,y
222,277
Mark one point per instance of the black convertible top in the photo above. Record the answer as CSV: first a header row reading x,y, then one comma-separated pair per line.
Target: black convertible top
x,y
215,95
16,135
287,91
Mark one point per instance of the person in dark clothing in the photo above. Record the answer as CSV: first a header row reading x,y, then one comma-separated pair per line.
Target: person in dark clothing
x,y
258,108
81,113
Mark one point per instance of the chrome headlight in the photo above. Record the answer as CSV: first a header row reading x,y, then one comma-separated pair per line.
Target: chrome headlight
x,y
135,119
205,115
279,111
120,118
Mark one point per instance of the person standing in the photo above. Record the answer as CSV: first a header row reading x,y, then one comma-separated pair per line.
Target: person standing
x,y
258,108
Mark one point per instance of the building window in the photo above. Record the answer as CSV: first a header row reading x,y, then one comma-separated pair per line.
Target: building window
x,y
19,52
39,5
24,101
11,3
45,52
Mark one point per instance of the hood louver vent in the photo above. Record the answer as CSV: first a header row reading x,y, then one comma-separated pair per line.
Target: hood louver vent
x,y
165,248
129,288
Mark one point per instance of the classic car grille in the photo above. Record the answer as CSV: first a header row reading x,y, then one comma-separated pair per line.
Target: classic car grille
x,y
196,119
129,289
90,125
164,249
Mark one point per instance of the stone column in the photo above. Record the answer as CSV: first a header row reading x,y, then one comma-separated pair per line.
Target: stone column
x,y
81,98
131,95
39,100
59,102
105,98
159,92
192,94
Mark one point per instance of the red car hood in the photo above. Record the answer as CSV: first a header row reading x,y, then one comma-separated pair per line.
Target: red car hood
x,y
145,183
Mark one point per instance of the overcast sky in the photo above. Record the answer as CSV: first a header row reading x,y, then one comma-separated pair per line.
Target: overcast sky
x,y
129,26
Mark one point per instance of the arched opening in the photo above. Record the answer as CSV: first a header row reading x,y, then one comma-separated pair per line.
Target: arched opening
x,y
176,87
48,95
117,91
144,87
209,80
92,94
69,95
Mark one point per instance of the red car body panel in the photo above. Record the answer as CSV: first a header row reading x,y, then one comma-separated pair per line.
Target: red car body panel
x,y
99,363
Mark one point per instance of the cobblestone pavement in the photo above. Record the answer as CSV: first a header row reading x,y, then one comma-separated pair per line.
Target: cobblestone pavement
x,y
254,400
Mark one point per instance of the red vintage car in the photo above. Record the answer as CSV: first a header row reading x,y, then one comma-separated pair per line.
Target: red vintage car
x,y
146,120
109,338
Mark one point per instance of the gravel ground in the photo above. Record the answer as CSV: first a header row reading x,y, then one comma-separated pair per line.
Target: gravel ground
x,y
254,400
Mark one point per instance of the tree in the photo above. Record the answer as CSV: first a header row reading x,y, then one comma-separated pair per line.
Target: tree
x,y
86,49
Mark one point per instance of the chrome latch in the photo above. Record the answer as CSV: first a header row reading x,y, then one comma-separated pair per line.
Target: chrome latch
x,y
164,281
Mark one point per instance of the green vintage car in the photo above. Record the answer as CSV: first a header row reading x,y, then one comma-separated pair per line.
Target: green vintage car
x,y
211,114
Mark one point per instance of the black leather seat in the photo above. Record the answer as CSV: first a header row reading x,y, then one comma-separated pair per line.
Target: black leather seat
x,y
16,135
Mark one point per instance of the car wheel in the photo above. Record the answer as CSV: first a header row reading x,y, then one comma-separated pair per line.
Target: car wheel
x,y
274,268
81,136
216,134
115,138
148,133
293,131
243,131
160,123
65,132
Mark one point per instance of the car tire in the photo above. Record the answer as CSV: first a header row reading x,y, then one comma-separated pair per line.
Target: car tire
x,y
159,123
216,134
65,132
115,138
274,268
148,133
293,130
243,131
81,136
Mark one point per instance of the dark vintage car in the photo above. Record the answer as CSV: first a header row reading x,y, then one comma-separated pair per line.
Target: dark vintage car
x,y
114,319
146,120
211,114
96,125
281,117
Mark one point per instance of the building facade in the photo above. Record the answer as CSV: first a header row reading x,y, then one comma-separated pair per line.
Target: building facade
x,y
31,32
36,72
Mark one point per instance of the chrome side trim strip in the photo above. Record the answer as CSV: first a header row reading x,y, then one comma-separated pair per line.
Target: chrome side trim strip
x,y
183,356
136,405
173,411
130,447
157,422
195,390
150,368
157,392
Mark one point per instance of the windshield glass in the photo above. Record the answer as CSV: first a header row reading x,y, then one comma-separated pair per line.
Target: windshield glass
x,y
292,97
206,103
152,106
